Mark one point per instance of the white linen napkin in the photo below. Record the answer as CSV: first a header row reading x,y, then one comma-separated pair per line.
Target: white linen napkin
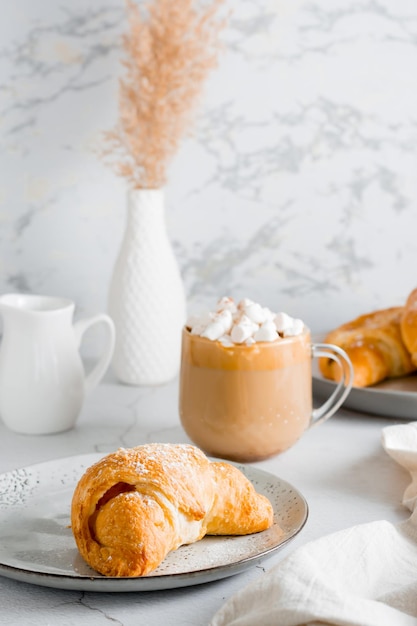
x,y
362,576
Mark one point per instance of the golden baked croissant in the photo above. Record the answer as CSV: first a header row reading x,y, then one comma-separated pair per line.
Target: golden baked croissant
x,y
375,346
134,506
409,325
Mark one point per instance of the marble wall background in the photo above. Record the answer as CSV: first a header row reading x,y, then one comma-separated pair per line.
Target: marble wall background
x,y
298,187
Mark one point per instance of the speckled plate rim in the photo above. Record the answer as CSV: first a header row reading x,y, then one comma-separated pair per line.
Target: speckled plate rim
x,y
23,491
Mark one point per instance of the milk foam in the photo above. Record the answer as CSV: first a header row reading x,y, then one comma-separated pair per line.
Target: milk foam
x,y
244,323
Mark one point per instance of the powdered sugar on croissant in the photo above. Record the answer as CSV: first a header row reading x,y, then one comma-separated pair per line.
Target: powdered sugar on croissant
x,y
134,506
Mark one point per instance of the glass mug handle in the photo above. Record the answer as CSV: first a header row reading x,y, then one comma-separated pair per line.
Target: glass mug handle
x,y
330,406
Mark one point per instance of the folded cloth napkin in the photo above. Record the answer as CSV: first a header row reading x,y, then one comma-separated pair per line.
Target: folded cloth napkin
x,y
362,576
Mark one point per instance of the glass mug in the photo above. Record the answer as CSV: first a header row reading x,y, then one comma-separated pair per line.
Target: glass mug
x,y
247,403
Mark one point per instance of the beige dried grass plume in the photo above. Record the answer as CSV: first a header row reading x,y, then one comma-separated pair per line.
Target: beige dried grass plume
x,y
169,49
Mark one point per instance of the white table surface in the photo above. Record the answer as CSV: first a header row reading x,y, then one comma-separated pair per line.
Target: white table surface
x,y
340,468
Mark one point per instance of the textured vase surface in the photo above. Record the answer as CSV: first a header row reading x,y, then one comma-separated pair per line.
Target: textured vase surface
x,y
146,297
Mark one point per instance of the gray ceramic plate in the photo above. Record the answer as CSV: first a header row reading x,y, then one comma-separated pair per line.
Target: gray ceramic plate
x,y
37,546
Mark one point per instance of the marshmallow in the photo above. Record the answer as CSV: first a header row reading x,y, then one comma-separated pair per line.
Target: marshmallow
x,y
244,303
225,318
296,328
226,304
220,324
213,331
282,322
255,313
266,332
226,341
197,329
243,329
269,315
244,323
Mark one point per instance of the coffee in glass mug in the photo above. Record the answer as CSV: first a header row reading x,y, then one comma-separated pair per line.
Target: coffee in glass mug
x,y
246,381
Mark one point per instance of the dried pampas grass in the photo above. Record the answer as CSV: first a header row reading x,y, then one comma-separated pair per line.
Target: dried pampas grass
x,y
169,50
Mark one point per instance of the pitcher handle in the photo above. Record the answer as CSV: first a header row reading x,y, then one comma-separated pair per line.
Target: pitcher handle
x,y
80,327
330,406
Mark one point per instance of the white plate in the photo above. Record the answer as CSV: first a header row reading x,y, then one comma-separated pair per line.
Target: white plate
x,y
37,546
396,397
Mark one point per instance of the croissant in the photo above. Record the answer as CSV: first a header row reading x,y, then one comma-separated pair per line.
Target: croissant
x,y
134,506
375,346
409,325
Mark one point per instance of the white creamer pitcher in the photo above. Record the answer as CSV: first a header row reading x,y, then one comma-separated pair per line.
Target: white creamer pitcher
x,y
42,378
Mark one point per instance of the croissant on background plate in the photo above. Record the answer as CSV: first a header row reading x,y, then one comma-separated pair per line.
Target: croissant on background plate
x,y
381,345
409,326
134,506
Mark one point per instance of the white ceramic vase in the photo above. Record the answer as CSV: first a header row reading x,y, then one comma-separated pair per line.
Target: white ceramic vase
x,y
147,299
